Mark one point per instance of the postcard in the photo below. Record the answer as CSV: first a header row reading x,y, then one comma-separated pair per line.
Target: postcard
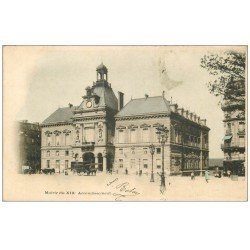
x,y
124,123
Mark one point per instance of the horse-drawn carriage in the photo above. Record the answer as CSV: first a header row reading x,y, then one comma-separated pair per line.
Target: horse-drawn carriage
x,y
48,171
83,168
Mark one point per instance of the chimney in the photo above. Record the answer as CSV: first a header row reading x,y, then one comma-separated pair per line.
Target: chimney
x,y
203,122
173,107
120,100
180,111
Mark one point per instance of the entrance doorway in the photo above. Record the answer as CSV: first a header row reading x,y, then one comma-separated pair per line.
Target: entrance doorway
x,y
88,158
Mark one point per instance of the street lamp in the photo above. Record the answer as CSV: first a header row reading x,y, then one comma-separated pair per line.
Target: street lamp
x,y
152,151
162,135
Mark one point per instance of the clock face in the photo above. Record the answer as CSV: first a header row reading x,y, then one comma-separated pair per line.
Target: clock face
x,y
89,104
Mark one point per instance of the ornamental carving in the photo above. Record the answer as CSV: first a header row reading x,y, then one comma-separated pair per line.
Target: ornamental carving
x,y
66,131
144,125
121,127
56,132
100,133
100,125
157,125
132,126
48,133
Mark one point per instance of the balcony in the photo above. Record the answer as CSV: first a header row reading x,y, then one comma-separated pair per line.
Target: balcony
x,y
88,146
231,147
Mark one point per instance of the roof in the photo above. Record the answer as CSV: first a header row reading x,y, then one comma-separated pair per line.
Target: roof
x,y
101,66
60,115
107,97
147,105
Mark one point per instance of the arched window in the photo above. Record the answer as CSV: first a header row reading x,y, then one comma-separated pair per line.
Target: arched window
x,y
133,135
57,140
66,139
48,153
121,136
49,140
145,135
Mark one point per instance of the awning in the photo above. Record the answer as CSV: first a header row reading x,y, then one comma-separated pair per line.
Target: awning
x,y
228,137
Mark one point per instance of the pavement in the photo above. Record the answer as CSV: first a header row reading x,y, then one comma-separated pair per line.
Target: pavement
x,y
121,187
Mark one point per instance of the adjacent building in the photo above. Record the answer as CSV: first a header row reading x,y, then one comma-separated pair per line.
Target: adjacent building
x,y
186,148
29,145
234,140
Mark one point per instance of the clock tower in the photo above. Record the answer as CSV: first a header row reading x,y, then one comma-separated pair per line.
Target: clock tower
x,y
94,123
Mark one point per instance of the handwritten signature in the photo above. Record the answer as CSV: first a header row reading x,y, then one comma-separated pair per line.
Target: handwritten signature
x,y
123,189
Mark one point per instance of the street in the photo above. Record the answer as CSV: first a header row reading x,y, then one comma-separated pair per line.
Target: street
x,y
121,187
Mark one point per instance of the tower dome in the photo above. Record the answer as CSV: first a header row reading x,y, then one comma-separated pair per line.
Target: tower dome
x,y
102,67
102,73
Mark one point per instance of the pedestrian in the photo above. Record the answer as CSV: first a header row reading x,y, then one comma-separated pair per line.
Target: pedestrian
x,y
228,173
219,174
192,175
126,171
207,175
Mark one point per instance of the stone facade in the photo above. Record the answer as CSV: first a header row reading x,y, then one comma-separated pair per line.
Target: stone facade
x,y
185,150
103,133
84,133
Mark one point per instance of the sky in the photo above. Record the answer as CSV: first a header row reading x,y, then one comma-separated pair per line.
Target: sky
x,y
40,79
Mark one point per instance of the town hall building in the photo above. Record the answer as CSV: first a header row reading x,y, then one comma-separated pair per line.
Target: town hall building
x,y
104,132
84,133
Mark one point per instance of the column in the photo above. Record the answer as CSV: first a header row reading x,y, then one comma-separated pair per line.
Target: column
x,y
104,163
96,162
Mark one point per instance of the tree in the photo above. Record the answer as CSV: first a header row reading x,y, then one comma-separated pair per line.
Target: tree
x,y
228,70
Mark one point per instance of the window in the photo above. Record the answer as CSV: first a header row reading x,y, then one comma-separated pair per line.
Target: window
x,y
121,136
57,140
158,163
242,140
48,153
58,164
49,139
145,135
145,163
132,163
57,153
89,134
66,164
158,150
67,153
145,151
133,135
241,126
120,151
121,163
48,163
67,139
